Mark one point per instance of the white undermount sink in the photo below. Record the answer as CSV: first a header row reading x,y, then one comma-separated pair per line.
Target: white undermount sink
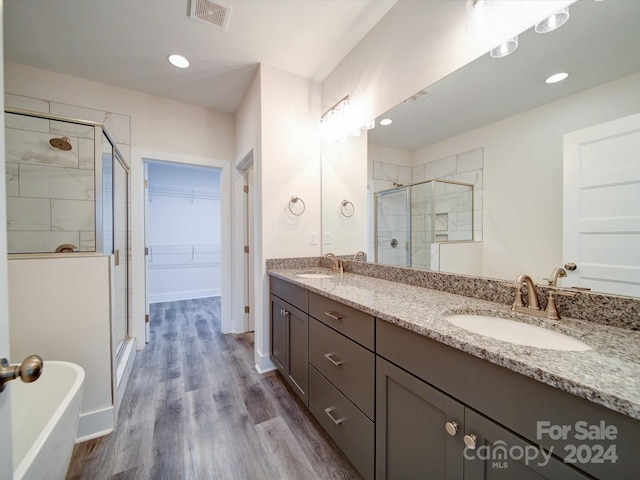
x,y
516,332
314,275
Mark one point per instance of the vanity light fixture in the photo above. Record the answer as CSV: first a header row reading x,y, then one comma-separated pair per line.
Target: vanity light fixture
x,y
386,121
178,61
556,77
505,48
553,22
342,121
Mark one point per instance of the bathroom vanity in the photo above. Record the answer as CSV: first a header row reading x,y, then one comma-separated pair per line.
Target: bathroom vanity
x,y
406,394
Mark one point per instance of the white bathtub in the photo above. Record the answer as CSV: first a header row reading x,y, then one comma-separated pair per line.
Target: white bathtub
x,y
44,417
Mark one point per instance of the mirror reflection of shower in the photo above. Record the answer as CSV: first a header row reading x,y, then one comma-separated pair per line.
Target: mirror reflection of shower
x,y
412,220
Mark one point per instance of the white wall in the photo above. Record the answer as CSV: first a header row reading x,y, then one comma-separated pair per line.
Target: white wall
x,y
248,143
344,179
523,158
195,134
59,308
287,163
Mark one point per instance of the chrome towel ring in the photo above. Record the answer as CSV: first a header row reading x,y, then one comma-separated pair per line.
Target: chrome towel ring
x,y
296,211
347,209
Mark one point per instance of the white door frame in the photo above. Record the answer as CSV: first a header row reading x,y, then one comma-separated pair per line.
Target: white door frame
x,y
245,168
139,299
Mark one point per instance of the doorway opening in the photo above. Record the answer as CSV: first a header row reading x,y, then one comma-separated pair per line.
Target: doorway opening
x,y
183,231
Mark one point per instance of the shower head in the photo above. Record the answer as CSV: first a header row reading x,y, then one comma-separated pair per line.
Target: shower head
x,y
63,143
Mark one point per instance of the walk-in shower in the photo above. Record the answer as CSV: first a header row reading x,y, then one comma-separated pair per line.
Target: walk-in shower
x,y
410,220
67,188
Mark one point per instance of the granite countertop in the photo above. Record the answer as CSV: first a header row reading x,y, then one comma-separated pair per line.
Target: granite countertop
x,y
607,374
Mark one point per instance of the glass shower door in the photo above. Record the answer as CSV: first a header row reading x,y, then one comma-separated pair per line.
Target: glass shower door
x,y
392,227
121,246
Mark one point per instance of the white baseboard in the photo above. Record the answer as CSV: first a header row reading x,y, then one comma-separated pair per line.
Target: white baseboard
x,y
95,424
264,363
124,371
184,295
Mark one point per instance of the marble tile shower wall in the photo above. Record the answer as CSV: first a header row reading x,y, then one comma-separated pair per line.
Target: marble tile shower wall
x,y
421,226
464,167
392,225
51,192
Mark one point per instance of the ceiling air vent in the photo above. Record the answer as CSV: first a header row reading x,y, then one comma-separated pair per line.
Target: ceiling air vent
x,y
212,13
422,94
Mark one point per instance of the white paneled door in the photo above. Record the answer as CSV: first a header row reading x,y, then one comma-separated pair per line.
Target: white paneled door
x,y
602,206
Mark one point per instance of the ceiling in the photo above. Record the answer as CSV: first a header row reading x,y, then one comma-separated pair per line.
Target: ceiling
x,y
125,42
598,44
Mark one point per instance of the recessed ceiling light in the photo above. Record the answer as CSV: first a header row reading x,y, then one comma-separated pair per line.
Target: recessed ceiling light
x,y
505,48
557,77
178,61
553,22
386,121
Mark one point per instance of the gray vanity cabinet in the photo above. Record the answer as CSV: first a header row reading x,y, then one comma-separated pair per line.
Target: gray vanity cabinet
x,y
489,461
499,406
411,439
290,335
342,378
420,433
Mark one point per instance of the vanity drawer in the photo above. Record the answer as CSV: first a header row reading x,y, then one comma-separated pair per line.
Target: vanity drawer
x,y
295,295
357,325
349,366
348,426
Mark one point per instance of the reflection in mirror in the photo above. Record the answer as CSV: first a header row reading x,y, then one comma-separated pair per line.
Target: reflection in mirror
x,y
412,220
503,110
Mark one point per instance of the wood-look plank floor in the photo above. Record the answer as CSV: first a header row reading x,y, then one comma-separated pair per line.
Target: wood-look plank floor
x,y
195,408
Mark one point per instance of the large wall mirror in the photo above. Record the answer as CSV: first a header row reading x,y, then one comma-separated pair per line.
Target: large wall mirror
x,y
495,124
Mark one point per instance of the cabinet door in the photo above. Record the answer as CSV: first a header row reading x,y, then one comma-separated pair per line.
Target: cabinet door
x,y
298,345
501,455
279,334
411,437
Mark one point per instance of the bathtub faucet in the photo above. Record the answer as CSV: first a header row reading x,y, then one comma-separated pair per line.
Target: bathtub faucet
x,y
29,370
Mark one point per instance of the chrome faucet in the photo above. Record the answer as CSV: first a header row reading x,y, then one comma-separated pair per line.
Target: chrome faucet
x,y
360,254
558,272
337,264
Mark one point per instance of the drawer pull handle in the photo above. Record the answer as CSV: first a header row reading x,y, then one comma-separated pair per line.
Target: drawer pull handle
x,y
334,315
328,411
336,363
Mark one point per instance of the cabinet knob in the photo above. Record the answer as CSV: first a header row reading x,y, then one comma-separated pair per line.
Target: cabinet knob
x,y
470,441
570,266
451,428
283,312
